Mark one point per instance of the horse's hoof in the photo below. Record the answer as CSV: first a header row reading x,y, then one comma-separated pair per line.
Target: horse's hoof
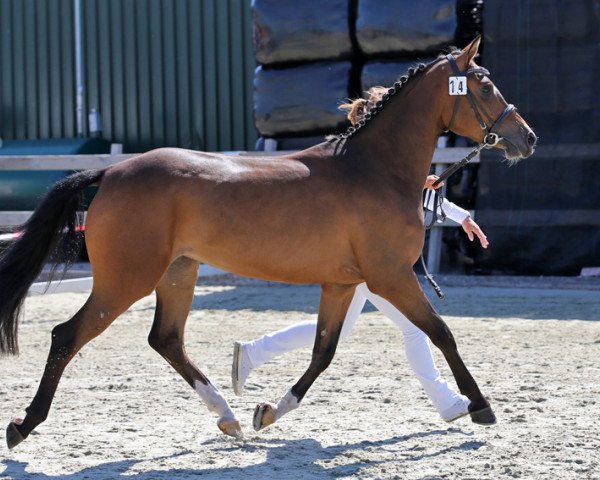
x,y
264,415
231,428
485,416
13,436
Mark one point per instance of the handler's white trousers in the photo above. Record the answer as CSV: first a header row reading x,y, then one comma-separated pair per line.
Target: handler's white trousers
x,y
416,345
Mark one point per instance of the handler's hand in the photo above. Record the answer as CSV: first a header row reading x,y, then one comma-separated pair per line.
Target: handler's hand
x,y
430,180
471,229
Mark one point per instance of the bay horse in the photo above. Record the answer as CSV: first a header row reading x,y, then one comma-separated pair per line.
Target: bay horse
x,y
343,212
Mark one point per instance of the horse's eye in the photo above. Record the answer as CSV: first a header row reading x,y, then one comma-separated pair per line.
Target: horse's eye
x,y
486,89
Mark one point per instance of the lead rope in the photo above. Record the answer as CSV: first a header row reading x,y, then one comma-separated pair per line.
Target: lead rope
x,y
445,174
428,276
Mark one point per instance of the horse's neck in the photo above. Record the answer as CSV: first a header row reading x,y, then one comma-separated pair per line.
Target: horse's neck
x,y
402,138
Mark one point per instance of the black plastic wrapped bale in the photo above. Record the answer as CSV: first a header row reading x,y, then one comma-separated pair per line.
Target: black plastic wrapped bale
x,y
542,22
542,216
285,32
291,143
384,74
393,27
300,100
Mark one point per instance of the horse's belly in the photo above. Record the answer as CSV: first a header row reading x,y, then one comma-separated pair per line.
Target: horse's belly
x,y
323,263
288,254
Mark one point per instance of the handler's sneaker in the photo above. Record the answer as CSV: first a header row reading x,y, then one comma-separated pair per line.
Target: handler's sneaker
x,y
458,409
241,367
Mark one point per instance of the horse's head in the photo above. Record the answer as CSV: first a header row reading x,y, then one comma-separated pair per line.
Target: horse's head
x,y
476,109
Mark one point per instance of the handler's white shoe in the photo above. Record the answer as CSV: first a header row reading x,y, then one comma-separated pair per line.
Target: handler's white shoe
x,y
241,367
458,409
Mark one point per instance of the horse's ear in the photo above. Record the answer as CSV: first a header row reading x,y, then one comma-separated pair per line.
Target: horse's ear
x,y
468,53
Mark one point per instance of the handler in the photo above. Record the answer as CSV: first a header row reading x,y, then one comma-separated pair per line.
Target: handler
x,y
449,404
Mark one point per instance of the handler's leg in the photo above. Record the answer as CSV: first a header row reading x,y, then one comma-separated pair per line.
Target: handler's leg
x,y
449,404
335,300
250,355
174,296
405,293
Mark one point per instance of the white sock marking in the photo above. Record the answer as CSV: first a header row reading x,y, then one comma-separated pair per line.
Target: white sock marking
x,y
214,400
287,403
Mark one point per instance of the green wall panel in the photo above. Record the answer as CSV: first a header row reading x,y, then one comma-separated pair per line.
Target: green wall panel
x,y
160,72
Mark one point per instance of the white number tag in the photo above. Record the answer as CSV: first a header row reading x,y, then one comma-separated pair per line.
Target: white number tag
x,y
457,85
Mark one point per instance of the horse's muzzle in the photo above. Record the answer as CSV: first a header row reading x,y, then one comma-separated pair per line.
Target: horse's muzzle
x,y
519,145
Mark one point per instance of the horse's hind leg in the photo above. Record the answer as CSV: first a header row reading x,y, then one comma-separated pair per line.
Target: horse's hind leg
x,y
335,300
174,295
67,339
405,293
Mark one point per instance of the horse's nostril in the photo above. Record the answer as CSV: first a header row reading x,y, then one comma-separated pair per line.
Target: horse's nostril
x,y
531,139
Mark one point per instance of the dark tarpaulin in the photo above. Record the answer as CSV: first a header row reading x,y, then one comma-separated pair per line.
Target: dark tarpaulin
x,y
542,216
554,86
468,21
544,55
542,22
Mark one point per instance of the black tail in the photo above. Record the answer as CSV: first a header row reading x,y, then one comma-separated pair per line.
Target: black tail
x,y
50,233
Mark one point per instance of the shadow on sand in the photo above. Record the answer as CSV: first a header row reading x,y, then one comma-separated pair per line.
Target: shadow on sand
x,y
304,458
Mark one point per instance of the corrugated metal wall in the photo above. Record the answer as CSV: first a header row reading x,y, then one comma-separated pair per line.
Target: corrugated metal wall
x,y
160,72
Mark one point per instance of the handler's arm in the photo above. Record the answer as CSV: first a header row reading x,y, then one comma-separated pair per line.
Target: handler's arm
x,y
455,213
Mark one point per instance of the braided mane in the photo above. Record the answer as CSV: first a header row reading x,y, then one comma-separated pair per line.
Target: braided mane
x,y
361,110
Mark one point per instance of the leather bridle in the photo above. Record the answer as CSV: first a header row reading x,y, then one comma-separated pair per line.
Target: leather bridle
x,y
491,136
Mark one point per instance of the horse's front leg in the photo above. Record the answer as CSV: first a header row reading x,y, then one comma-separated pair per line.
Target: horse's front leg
x,y
405,293
335,300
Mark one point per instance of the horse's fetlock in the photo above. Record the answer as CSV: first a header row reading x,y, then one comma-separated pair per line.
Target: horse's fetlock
x,y
34,418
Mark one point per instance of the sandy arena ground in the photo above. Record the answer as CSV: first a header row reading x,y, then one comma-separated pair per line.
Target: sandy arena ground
x,y
122,412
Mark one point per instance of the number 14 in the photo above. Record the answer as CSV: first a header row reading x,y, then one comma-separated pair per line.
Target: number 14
x,y
457,85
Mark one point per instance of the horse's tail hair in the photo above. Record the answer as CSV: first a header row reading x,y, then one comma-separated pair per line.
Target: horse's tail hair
x,y
52,233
